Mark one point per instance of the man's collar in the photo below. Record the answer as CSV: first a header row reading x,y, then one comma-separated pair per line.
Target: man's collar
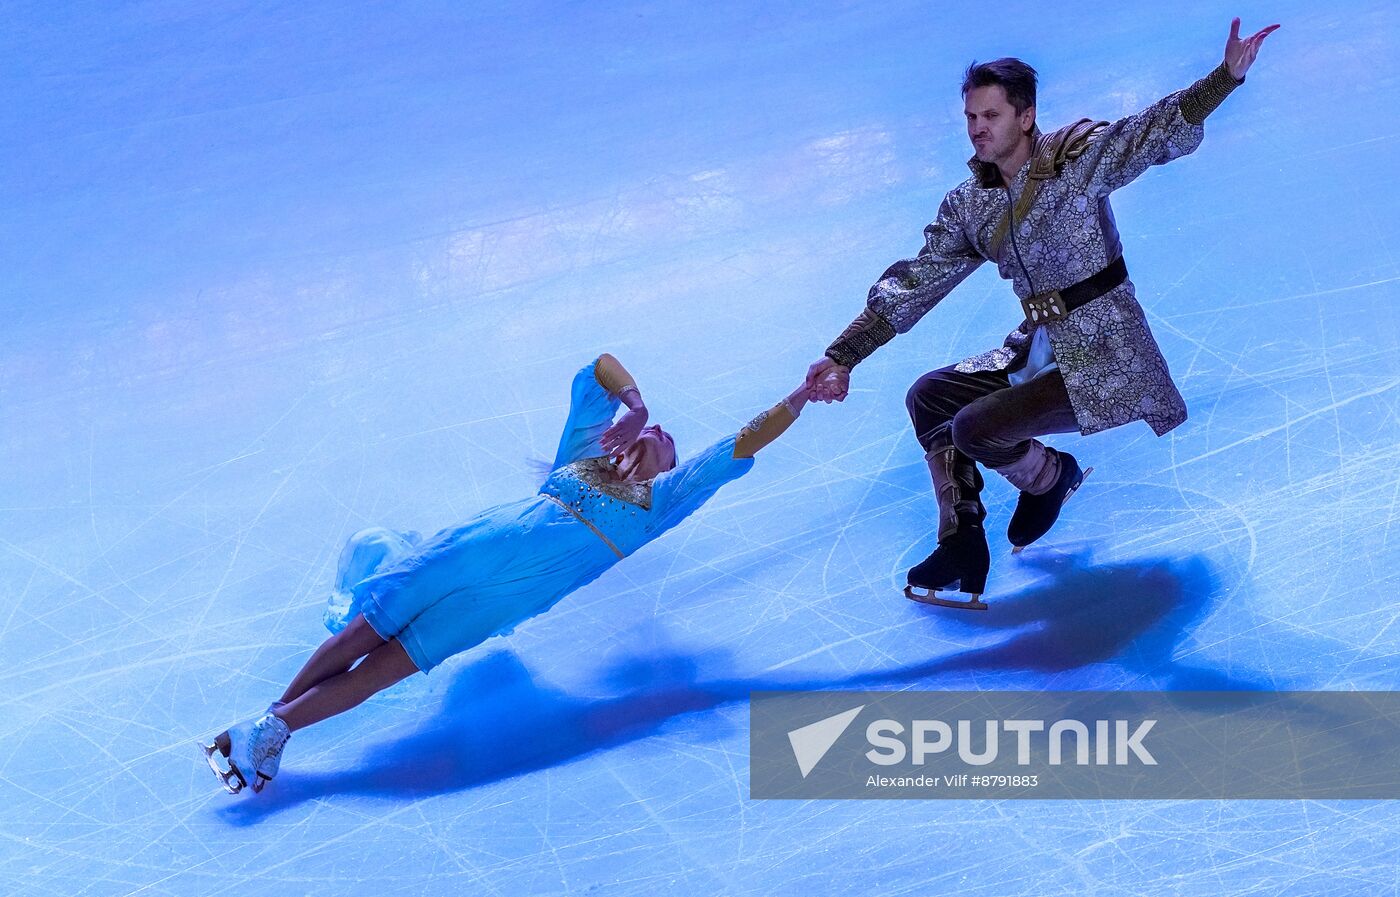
x,y
987,174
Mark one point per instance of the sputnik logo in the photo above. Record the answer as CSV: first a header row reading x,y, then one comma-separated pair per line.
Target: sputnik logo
x,y
810,743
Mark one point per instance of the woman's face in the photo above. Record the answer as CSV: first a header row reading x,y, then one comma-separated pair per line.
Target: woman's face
x,y
652,453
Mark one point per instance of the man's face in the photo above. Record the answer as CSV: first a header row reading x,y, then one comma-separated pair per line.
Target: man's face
x,y
992,123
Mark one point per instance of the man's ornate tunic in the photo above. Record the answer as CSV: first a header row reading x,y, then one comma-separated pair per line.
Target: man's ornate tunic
x,y
1063,233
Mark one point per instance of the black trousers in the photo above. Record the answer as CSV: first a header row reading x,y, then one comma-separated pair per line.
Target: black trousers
x,y
989,420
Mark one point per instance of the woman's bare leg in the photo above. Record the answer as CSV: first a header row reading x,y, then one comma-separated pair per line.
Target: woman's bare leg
x,y
385,665
336,655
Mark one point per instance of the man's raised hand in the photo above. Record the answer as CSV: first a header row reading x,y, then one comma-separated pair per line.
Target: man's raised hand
x,y
1239,54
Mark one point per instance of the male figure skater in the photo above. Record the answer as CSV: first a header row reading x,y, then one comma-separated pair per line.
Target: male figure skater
x,y
1083,359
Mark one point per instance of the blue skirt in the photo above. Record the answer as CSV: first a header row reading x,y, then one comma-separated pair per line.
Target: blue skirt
x,y
442,595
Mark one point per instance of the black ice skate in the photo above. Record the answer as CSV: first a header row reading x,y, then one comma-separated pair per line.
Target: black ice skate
x,y
1036,514
961,560
959,563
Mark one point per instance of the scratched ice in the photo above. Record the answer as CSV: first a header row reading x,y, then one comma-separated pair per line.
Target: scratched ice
x,y
275,272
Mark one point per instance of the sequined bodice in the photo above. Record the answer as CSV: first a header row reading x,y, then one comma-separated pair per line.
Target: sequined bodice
x,y
599,475
618,509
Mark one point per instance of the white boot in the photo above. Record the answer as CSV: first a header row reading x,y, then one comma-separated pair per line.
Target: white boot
x,y
252,751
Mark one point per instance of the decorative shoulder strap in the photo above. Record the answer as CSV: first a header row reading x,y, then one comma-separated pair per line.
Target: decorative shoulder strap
x,y
1048,158
1053,150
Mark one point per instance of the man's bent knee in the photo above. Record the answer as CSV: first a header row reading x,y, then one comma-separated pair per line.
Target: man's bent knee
x,y
912,398
971,434
928,406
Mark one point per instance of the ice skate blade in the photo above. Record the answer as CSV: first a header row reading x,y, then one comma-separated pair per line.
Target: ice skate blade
x,y
974,602
229,778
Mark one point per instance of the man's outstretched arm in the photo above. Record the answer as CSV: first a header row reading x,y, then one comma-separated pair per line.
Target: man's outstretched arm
x,y
907,291
1169,128
1206,95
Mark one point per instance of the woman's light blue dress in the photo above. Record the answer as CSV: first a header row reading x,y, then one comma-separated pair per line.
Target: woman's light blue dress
x,y
447,593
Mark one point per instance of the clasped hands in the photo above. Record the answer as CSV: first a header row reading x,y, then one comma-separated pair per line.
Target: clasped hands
x,y
828,381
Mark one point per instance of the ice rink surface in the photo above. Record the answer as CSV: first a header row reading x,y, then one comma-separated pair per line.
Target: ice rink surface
x,y
274,272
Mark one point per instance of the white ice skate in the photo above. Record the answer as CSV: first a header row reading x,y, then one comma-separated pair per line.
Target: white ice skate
x,y
248,754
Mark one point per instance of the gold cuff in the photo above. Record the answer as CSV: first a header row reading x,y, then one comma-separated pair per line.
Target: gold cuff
x,y
612,376
763,429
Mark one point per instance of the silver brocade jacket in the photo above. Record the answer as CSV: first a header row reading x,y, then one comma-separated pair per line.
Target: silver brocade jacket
x,y
1112,368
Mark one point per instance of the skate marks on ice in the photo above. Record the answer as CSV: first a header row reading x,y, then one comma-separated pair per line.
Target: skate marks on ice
x,y
1132,614
497,722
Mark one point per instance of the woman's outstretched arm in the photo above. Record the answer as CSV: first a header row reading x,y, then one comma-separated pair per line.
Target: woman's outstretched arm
x,y
677,493
771,424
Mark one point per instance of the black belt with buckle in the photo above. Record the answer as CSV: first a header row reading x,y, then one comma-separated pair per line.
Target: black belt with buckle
x,y
1057,304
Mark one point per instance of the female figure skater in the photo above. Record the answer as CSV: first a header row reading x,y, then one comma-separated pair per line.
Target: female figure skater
x,y
405,605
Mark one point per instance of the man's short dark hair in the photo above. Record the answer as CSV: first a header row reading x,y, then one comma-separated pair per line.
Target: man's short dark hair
x,y
1014,76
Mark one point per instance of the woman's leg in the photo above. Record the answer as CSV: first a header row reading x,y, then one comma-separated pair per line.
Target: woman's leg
x,y
385,665
251,752
336,655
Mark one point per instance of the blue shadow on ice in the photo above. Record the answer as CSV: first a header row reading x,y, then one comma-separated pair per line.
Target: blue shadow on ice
x,y
497,722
